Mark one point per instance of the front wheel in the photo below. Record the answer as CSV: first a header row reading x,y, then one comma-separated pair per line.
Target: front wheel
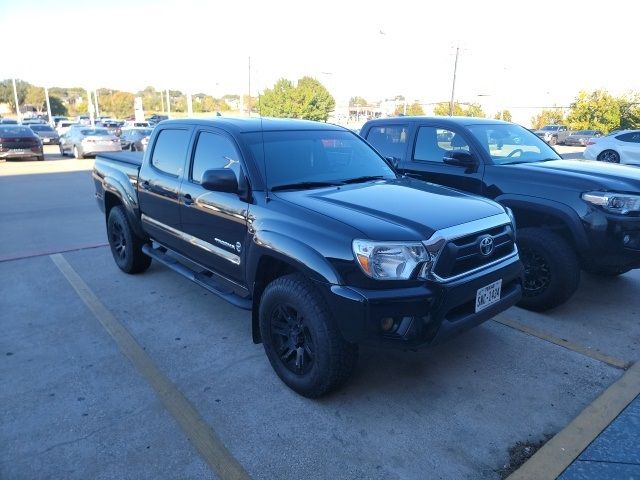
x,y
551,269
301,340
609,156
126,247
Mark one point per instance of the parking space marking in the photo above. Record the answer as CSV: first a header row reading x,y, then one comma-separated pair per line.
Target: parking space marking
x,y
24,255
601,357
193,425
558,453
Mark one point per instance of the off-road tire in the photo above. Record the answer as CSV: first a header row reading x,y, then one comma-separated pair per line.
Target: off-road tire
x,y
333,360
552,270
126,246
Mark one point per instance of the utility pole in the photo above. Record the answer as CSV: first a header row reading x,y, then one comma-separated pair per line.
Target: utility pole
x,y
15,97
249,100
46,96
189,104
453,86
168,104
162,101
95,93
91,108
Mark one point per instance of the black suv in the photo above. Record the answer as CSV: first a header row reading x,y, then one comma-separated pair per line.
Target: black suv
x,y
571,214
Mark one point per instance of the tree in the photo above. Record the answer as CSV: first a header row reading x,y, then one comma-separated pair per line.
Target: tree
x,y
415,109
597,110
468,110
503,115
57,107
34,96
548,117
630,111
6,92
358,102
309,99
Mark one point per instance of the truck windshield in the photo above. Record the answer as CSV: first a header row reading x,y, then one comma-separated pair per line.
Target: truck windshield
x,y
315,158
509,144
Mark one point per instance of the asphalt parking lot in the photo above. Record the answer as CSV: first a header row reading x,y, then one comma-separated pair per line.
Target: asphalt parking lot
x,y
74,404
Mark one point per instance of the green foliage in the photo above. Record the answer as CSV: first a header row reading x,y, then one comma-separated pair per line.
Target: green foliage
x,y
117,104
309,99
6,92
57,107
358,102
34,96
460,110
415,109
630,111
596,110
548,116
503,115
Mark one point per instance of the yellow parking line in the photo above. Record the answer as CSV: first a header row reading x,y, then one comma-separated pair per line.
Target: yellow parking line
x,y
193,425
609,360
558,453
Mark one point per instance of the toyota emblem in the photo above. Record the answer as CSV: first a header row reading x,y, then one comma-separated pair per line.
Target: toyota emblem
x,y
486,246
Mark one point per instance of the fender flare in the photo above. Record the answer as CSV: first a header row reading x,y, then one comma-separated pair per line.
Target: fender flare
x,y
564,213
129,199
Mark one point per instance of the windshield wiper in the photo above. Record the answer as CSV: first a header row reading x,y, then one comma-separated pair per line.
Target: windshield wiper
x,y
304,185
364,178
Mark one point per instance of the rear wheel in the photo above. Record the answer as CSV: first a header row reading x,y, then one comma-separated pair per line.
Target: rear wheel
x,y
301,340
61,150
609,156
551,269
126,247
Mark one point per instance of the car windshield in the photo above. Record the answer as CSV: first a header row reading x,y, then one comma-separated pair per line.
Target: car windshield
x,y
94,131
585,132
311,158
552,128
41,128
509,144
143,132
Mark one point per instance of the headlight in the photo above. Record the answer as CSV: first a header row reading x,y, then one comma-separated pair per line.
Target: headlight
x,y
390,260
512,217
614,202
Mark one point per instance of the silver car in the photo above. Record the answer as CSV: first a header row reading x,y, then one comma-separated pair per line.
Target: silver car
x,y
84,141
582,137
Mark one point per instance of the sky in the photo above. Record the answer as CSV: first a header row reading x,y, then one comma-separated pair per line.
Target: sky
x,y
517,55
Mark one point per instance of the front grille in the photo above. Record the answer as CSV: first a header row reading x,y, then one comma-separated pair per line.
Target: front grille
x,y
463,254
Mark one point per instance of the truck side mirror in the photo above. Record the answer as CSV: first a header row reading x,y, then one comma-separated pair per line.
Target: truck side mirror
x,y
220,180
460,158
393,161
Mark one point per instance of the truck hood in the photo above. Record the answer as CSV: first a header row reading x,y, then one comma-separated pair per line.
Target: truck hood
x,y
402,209
584,174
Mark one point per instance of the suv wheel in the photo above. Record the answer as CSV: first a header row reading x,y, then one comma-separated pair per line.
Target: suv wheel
x,y
126,247
300,338
551,269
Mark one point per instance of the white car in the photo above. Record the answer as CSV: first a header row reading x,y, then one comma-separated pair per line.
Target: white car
x,y
64,126
619,147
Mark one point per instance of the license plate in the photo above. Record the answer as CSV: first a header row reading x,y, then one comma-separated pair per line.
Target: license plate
x,y
488,295
45,140
18,150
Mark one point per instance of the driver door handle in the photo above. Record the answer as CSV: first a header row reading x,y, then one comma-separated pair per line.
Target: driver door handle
x,y
188,199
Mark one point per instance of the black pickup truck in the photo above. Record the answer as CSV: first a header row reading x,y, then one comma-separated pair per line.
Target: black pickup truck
x,y
307,226
571,214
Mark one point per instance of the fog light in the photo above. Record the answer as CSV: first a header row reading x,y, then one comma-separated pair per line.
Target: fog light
x,y
626,239
387,323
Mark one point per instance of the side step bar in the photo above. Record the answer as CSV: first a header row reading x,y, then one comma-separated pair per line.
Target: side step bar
x,y
203,278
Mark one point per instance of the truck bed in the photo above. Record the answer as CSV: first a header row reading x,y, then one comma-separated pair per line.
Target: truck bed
x,y
129,158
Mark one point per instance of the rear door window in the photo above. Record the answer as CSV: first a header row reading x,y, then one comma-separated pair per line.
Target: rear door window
x,y
389,140
170,151
432,144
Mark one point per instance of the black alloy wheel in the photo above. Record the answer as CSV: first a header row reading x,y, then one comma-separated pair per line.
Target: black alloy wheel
x,y
292,339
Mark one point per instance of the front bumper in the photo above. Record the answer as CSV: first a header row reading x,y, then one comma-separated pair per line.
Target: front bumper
x,y
614,240
427,314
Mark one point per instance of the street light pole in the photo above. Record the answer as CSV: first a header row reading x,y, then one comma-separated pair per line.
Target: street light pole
x,y
95,93
15,97
189,104
168,104
453,86
46,96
